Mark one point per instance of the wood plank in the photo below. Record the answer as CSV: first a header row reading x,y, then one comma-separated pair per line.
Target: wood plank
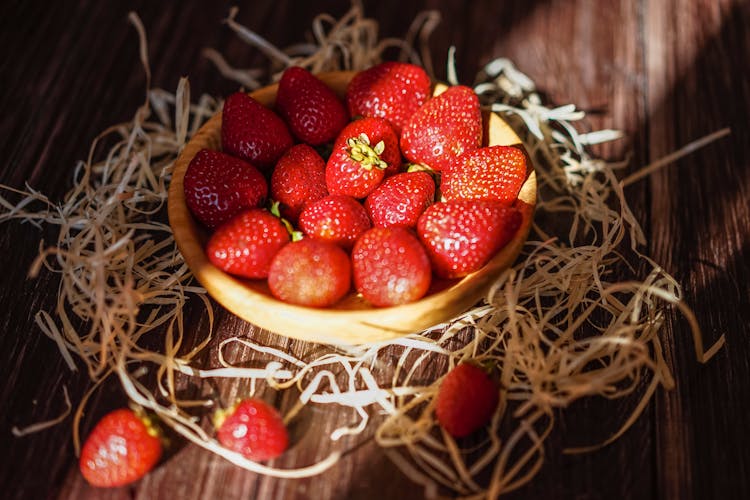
x,y
692,93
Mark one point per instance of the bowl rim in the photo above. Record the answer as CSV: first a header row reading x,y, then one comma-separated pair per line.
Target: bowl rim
x,y
366,324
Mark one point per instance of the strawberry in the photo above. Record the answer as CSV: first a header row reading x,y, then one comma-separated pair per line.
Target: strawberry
x,y
217,186
443,128
462,235
252,428
466,400
401,199
362,153
390,90
492,173
314,113
311,273
337,218
245,245
390,266
253,132
298,179
122,448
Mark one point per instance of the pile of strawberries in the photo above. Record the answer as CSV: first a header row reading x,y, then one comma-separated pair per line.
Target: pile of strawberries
x,y
381,192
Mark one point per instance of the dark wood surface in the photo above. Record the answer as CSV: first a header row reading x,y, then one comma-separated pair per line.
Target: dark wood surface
x,y
665,72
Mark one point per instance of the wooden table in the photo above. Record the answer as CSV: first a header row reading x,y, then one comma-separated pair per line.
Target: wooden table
x,y
665,72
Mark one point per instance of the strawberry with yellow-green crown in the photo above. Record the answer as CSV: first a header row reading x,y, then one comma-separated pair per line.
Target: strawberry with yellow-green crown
x,y
122,448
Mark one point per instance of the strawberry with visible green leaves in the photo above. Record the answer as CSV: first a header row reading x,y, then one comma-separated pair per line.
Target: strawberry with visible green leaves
x,y
310,272
314,113
363,154
492,173
218,186
245,245
462,235
390,266
298,179
391,90
122,448
466,400
442,129
401,199
337,218
253,132
252,428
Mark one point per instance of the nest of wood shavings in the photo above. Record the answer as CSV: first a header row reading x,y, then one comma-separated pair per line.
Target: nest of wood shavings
x,y
557,326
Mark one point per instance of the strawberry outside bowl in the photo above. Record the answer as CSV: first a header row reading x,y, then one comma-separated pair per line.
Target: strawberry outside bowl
x,y
353,320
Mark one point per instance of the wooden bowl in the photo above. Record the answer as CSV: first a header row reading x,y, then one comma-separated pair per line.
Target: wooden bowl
x,y
353,320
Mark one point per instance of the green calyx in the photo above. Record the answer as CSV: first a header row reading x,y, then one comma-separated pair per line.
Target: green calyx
x,y
149,421
366,155
487,366
221,414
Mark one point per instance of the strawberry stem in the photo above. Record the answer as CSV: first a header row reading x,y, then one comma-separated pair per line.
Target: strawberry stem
x,y
366,155
275,209
276,212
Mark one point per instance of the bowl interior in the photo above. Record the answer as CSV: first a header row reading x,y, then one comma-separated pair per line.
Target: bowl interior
x,y
353,320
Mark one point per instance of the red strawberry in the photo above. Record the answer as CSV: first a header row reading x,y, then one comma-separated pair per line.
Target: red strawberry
x,y
443,128
253,132
298,179
252,428
361,154
462,235
245,245
390,266
311,273
401,199
122,448
492,173
217,186
466,400
337,218
390,90
314,113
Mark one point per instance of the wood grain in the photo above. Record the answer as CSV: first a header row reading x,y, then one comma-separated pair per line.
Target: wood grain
x,y
665,72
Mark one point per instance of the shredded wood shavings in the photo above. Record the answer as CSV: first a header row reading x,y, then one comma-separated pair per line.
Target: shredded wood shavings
x,y
40,426
349,43
557,326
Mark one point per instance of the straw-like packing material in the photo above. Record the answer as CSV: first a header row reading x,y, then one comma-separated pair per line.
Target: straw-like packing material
x,y
555,325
